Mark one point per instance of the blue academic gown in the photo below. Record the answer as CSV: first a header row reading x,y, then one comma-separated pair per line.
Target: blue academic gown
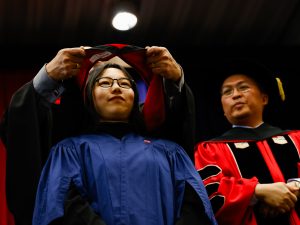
x,y
128,181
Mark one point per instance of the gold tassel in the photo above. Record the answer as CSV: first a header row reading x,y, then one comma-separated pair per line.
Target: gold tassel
x,y
280,88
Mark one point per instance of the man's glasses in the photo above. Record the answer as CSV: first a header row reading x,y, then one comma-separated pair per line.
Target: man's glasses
x,y
228,91
107,82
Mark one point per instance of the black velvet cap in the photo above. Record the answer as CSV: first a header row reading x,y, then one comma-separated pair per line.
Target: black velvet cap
x,y
267,80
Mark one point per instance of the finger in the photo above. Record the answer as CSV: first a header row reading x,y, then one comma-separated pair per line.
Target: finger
x,y
273,213
73,73
85,47
153,51
282,209
293,198
77,66
294,186
156,69
77,52
153,64
75,62
290,203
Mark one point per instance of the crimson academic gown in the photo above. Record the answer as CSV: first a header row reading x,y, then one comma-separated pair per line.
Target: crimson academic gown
x,y
6,217
234,163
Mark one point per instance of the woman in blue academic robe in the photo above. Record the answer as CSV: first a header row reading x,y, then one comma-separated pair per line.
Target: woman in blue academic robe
x,y
123,175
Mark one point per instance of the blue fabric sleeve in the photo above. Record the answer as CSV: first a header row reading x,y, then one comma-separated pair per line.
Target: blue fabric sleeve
x,y
185,171
46,86
61,168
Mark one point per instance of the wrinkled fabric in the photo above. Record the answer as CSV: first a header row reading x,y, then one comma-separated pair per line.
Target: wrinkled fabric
x,y
233,164
130,181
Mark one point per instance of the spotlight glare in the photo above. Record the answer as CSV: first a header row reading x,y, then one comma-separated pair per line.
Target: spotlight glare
x,y
124,21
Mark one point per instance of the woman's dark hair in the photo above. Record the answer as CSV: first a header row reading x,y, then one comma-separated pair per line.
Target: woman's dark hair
x,y
135,117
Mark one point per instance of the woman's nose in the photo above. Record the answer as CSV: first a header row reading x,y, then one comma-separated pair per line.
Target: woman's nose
x,y
115,85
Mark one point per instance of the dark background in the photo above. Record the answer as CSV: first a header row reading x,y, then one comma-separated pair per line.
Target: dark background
x,y
199,33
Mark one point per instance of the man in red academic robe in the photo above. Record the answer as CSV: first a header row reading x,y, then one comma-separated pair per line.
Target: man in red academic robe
x,y
251,172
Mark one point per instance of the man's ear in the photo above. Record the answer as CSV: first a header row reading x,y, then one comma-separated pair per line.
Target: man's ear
x,y
265,99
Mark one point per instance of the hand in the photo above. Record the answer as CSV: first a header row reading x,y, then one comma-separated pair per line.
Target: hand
x,y
267,211
294,187
278,196
66,63
161,62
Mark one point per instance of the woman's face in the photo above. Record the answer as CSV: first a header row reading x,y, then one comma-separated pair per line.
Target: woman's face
x,y
112,102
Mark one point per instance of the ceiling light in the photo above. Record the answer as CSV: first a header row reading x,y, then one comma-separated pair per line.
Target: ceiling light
x,y
125,16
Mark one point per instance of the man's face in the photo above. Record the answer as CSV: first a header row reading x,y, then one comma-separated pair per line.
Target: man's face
x,y
242,100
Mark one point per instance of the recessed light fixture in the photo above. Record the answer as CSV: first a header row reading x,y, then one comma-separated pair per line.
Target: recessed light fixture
x,y
125,16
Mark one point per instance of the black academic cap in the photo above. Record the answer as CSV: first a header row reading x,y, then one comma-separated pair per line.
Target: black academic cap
x,y
268,81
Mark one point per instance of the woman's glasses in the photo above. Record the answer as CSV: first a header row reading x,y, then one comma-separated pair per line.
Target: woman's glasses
x,y
107,82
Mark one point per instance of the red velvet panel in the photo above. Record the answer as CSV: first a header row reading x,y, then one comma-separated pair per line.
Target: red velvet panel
x,y
10,81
